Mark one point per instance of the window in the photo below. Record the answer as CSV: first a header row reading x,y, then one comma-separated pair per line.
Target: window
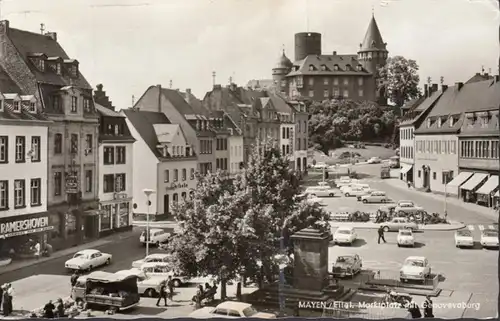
x,y
19,193
109,155
311,81
88,144
56,103
166,176
346,93
88,181
336,67
109,183
20,149
361,93
120,183
175,197
4,149
311,93
346,81
36,193
74,104
335,81
120,155
176,175
419,173
57,183
325,81
17,106
360,81
86,104
74,144
192,173
434,175
4,195
57,143
32,107
326,94
183,196
184,174
35,148
58,68
41,64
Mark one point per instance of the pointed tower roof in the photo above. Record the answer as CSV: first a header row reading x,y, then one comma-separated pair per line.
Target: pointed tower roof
x,y
283,62
373,39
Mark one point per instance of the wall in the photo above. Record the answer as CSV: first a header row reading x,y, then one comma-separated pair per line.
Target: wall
x,y
126,169
27,170
438,162
235,145
146,175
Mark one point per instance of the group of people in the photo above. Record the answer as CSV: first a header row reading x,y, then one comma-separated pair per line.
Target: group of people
x,y
201,294
51,311
6,296
415,312
163,294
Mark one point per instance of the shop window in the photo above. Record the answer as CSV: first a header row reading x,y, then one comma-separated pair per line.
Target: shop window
x,y
124,214
70,223
106,214
175,198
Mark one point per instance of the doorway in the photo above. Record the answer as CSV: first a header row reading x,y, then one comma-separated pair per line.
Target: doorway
x,y
427,178
166,204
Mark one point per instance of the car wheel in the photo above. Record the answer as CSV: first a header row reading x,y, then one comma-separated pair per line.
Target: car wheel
x,y
108,261
347,195
177,283
402,280
382,201
399,245
331,195
365,201
386,228
150,293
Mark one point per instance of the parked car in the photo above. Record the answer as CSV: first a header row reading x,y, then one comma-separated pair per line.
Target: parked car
x,y
232,310
155,257
322,191
320,166
489,238
375,197
156,236
355,184
355,192
315,200
347,265
344,180
463,238
398,223
161,269
345,235
146,285
406,238
408,208
86,260
415,268
374,160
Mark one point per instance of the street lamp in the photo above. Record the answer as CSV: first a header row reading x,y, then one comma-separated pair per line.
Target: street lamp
x,y
148,193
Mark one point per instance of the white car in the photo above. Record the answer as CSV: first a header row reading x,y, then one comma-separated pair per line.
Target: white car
x,y
374,160
342,181
156,236
86,260
160,269
146,285
408,208
489,238
463,238
355,192
156,257
231,310
415,268
374,197
315,200
320,166
322,191
355,184
406,238
345,235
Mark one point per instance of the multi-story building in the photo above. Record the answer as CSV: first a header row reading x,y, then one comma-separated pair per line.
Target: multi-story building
x,y
478,141
23,170
301,118
168,162
116,165
38,64
412,119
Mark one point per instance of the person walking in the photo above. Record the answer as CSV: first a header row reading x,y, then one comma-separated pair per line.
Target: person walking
x,y
170,286
162,294
38,249
5,301
10,293
381,234
428,309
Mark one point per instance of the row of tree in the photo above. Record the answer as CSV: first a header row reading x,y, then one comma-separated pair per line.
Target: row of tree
x,y
232,224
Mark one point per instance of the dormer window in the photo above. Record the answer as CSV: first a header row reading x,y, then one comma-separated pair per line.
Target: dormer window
x,y
56,103
311,68
348,67
17,106
32,107
360,68
336,67
440,122
41,65
58,69
165,151
452,121
429,122
74,71
323,68
74,104
86,105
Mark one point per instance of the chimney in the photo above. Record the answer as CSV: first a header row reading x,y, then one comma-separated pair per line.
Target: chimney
x,y
459,85
159,97
434,88
486,75
5,25
217,87
444,87
334,53
426,90
188,91
52,35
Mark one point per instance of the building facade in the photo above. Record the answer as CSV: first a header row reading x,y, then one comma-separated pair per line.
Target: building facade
x,y
301,119
38,64
116,166
23,172
168,162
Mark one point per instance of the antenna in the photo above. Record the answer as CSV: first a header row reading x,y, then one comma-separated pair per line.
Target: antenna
x,y
282,46
429,80
441,80
373,10
482,69
133,100
42,28
213,77
170,84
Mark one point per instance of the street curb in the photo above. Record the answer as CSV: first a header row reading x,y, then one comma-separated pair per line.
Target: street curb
x,y
373,226
55,256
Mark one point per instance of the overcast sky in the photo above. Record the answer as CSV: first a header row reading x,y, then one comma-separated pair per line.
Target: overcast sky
x,y
128,45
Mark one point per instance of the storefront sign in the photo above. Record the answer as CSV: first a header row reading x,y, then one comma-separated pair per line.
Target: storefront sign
x,y
118,196
71,184
23,227
177,185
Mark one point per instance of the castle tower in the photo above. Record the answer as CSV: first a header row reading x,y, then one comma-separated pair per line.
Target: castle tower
x,y
373,51
282,68
307,43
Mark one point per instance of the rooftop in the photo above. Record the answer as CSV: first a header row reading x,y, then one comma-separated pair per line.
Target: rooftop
x,y
326,65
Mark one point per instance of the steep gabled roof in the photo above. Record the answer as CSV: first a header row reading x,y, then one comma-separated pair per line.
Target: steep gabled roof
x,y
373,38
103,111
28,43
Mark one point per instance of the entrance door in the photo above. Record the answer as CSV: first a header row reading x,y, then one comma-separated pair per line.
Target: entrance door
x,y
166,204
427,178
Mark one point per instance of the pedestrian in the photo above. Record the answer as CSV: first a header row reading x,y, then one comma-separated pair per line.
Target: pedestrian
x,y
296,310
162,294
10,292
409,185
414,310
381,234
38,249
5,301
1,295
74,278
170,286
199,297
60,309
48,310
428,309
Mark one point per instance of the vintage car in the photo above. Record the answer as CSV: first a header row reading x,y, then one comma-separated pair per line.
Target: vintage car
x,y
408,207
347,265
463,238
345,235
315,200
398,223
342,181
156,236
374,160
164,270
86,260
415,268
320,166
322,191
406,238
155,257
232,310
147,285
489,238
355,191
355,184
375,197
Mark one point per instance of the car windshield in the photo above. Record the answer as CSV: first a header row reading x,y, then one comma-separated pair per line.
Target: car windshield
x,y
417,263
405,233
345,259
491,234
250,311
343,232
464,233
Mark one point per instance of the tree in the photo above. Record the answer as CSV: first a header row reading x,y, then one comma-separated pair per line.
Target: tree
x,y
399,80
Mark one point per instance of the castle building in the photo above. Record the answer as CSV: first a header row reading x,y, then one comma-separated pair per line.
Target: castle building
x,y
319,76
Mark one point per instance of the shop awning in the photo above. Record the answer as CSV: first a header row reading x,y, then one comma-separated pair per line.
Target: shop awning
x,y
460,179
474,181
490,185
405,168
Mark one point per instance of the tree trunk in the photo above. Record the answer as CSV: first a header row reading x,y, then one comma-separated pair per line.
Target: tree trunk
x,y
238,291
223,289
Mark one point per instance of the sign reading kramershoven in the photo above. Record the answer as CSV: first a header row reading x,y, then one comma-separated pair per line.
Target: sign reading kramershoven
x,y
22,227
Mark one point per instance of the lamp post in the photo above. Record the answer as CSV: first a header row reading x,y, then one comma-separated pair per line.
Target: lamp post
x,y
148,193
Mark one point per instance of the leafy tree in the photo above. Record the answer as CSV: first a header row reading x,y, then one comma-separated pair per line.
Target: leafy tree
x,y
399,79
